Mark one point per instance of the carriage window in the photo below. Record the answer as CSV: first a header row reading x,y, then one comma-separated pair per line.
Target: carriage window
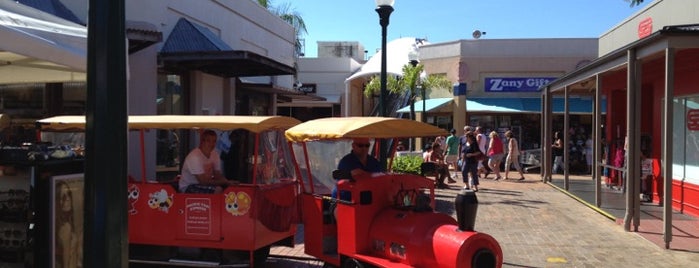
x,y
274,158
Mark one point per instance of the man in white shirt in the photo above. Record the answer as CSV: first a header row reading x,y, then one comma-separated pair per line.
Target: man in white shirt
x,y
201,171
482,140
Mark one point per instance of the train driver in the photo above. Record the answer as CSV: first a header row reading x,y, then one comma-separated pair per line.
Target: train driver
x,y
358,161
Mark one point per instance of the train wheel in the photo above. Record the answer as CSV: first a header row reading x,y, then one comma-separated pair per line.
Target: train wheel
x,y
327,265
352,263
261,256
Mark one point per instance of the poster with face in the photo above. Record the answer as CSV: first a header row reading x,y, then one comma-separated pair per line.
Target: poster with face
x,y
67,193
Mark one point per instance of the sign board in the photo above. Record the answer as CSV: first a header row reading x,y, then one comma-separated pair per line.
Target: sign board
x,y
693,120
515,84
307,88
460,89
198,216
645,27
67,193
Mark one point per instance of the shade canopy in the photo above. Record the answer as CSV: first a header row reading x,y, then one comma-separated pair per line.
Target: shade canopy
x,y
510,105
221,122
361,127
40,48
397,56
430,104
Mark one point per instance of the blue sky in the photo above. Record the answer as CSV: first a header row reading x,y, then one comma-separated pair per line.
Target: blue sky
x,y
356,20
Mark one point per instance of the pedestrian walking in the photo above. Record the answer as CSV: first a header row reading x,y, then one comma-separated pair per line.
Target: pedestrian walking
x,y
463,143
557,150
495,153
482,141
452,150
512,155
470,155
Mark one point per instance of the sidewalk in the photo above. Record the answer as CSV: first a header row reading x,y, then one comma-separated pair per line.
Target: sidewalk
x,y
540,226
685,232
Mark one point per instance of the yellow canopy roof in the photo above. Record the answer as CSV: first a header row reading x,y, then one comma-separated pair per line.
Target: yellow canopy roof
x,y
222,122
361,127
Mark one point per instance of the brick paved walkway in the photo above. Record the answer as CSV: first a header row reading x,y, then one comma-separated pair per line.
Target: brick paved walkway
x,y
539,226
613,202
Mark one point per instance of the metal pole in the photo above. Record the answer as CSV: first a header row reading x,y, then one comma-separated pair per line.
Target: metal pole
x,y
634,155
384,14
596,128
667,145
566,140
629,167
105,227
424,110
544,136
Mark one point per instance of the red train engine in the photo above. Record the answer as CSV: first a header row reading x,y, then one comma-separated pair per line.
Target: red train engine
x,y
383,219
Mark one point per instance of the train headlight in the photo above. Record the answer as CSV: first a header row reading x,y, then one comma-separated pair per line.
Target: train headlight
x,y
379,245
398,250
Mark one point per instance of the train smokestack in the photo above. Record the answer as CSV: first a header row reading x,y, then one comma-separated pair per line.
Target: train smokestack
x,y
466,206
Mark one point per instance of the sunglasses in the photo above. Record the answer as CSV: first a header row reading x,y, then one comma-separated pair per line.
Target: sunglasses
x,y
13,242
362,145
9,233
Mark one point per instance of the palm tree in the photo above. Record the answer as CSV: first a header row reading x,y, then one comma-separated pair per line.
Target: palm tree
x,y
635,2
288,14
411,82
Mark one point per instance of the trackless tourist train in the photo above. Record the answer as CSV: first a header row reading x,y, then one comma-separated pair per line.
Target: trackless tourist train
x,y
383,220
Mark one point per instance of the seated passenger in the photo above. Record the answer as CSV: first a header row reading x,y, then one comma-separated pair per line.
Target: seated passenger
x,y
201,170
358,162
437,156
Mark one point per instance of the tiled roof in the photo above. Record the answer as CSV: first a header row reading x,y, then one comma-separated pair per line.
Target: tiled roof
x,y
54,7
191,37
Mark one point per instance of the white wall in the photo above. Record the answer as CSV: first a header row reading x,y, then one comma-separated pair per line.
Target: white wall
x,y
142,93
661,12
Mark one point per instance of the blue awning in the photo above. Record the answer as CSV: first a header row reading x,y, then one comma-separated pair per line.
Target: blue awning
x,y
191,46
529,105
430,104
510,105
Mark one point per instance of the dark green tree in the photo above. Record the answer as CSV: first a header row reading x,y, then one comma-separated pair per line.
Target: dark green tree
x,y
410,82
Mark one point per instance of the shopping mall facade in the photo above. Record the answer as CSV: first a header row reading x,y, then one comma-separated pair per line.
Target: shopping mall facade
x,y
647,72
237,58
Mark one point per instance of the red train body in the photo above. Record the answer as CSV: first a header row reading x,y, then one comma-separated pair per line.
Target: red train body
x,y
385,225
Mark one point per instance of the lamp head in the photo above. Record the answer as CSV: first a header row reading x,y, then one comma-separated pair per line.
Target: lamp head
x,y
380,3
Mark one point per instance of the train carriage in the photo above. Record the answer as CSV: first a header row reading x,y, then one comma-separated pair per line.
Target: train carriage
x,y
246,218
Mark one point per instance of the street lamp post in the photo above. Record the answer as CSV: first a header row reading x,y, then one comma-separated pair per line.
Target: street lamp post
x,y
413,57
384,8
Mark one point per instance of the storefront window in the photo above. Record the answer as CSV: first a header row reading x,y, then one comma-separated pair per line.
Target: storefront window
x,y
686,154
252,103
169,101
526,127
169,98
22,96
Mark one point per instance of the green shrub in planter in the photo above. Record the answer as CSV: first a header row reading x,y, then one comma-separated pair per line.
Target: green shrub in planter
x,y
407,164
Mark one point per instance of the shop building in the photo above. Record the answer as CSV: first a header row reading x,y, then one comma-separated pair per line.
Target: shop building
x,y
498,82
325,77
185,57
647,71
